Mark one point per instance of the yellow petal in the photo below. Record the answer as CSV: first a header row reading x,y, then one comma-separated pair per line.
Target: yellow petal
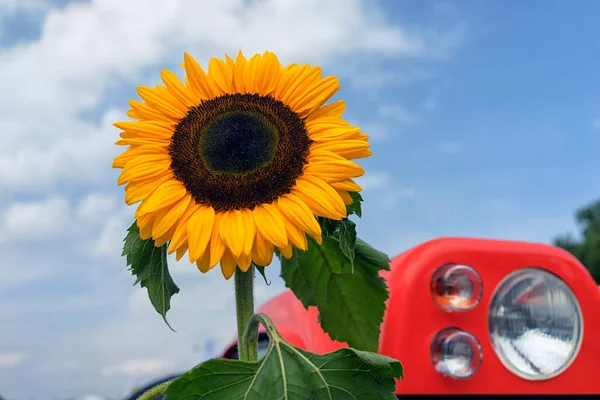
x,y
159,102
244,261
239,70
321,198
262,251
180,237
181,251
348,185
228,264
295,235
345,197
178,90
166,194
217,246
138,190
162,240
269,224
287,251
332,110
268,74
348,149
170,217
315,95
155,141
144,224
200,82
200,228
360,136
221,74
298,81
169,97
121,160
329,129
299,213
232,231
142,168
333,171
250,228
250,72
323,155
203,262
143,111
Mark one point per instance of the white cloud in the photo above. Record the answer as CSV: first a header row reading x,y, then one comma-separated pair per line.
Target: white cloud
x,y
110,242
147,366
8,360
22,5
35,220
70,150
96,206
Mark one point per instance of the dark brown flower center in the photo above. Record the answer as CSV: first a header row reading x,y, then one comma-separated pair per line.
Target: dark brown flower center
x,y
239,150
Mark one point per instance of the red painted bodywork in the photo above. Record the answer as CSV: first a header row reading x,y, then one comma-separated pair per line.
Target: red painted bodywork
x,y
413,318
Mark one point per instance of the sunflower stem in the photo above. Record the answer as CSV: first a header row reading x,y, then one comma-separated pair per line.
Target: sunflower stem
x,y
244,307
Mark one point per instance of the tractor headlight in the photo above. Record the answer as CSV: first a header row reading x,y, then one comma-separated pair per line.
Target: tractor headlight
x,y
535,324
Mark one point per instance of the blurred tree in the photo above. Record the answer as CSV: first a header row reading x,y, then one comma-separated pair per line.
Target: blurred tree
x,y
586,250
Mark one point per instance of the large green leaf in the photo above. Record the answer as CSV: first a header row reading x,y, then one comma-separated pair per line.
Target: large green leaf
x,y
350,296
286,372
149,264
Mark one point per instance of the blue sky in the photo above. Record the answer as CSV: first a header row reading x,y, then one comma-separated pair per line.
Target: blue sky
x,y
484,116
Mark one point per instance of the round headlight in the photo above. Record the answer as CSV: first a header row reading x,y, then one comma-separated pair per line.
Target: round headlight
x,y
456,287
456,353
535,324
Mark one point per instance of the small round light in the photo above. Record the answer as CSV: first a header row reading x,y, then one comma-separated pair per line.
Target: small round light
x,y
535,324
456,353
456,287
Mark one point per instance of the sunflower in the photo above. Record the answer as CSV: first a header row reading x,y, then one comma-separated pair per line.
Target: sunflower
x,y
239,160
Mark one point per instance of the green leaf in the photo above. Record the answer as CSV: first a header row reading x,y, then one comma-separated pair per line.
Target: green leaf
x,y
328,226
371,257
345,229
355,207
286,372
350,298
261,270
347,238
149,264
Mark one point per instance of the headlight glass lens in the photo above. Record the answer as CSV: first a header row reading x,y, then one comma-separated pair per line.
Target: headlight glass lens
x,y
456,287
456,353
535,324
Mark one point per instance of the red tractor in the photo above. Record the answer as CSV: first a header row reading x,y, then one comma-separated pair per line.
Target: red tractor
x,y
470,316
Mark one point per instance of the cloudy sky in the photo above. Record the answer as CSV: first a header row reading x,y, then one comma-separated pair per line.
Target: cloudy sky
x,y
484,116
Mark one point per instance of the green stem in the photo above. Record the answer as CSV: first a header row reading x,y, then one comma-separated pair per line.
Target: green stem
x,y
244,307
154,392
251,333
